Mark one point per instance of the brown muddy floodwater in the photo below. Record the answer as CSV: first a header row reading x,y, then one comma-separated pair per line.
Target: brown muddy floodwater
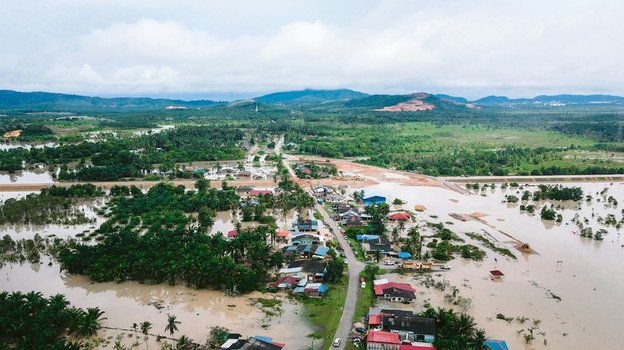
x,y
584,273
130,302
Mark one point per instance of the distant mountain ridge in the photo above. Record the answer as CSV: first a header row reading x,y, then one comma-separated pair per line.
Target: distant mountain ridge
x,y
310,96
10,99
562,99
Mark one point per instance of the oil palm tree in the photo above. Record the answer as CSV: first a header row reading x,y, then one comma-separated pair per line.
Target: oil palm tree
x,y
479,339
145,328
172,324
90,322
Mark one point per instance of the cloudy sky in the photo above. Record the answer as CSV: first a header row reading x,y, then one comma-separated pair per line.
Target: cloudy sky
x,y
235,49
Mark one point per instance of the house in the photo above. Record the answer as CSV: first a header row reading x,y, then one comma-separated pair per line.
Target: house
x,y
244,174
261,343
409,326
256,193
372,200
382,341
243,190
286,283
305,238
232,234
366,238
301,225
282,235
381,244
400,216
312,290
254,343
321,252
394,291
312,270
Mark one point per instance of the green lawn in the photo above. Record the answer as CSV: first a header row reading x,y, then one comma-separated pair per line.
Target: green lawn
x,y
326,312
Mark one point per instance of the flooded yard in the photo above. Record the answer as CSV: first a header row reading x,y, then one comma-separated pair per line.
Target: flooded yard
x,y
572,285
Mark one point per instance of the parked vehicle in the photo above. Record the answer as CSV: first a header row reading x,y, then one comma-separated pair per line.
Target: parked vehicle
x,y
337,342
361,330
389,262
445,267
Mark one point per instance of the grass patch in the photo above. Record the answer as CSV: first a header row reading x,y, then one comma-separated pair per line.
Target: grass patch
x,y
488,244
325,312
317,215
357,249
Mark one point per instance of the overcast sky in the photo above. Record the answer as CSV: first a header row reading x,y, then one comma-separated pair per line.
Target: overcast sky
x,y
235,49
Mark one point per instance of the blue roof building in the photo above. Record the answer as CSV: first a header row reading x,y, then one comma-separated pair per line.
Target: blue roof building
x,y
366,238
496,344
372,200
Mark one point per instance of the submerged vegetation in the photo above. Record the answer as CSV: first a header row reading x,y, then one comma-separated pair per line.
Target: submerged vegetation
x,y
32,321
55,205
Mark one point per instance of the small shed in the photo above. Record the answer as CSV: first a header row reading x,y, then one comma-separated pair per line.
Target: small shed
x,y
405,255
497,274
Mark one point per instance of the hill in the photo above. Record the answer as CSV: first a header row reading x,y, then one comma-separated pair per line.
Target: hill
x,y
564,99
420,101
309,96
38,101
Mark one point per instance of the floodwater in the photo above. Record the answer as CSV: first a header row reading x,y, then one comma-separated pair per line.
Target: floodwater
x,y
37,176
61,231
8,146
130,302
583,272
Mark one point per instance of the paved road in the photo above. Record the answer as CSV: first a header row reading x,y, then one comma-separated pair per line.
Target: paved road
x,y
355,267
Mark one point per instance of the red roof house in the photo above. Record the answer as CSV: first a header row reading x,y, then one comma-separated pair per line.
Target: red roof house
x,y
282,234
232,233
374,320
401,216
379,288
383,338
256,193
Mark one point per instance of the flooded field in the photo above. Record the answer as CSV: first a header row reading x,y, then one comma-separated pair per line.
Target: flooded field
x,y
572,285
130,302
39,176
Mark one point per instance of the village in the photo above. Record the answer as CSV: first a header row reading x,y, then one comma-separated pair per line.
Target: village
x,y
393,319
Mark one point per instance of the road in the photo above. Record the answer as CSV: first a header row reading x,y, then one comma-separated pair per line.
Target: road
x,y
354,269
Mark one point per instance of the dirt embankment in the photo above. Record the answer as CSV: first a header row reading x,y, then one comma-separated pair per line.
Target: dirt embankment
x,y
413,105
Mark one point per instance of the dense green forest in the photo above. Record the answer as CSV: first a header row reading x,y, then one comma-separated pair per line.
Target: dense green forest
x,y
449,140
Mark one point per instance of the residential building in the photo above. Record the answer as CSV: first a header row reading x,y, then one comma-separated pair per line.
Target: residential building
x,y
382,341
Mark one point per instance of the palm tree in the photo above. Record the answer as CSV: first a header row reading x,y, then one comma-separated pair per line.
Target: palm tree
x,y
377,254
90,322
479,339
466,326
145,328
184,343
172,324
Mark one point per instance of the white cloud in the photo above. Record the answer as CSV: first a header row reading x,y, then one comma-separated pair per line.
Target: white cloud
x,y
464,47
